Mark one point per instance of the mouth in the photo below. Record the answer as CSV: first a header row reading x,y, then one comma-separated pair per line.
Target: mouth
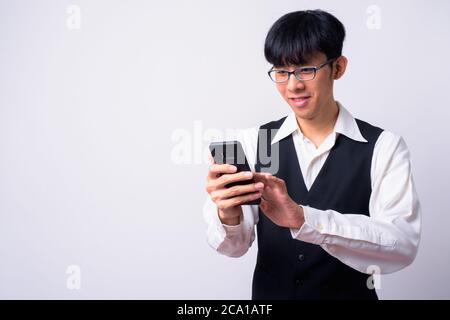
x,y
300,101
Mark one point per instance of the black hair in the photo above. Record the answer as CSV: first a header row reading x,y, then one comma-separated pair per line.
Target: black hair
x,y
297,36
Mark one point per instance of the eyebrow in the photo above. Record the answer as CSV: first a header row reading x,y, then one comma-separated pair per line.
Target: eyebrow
x,y
284,68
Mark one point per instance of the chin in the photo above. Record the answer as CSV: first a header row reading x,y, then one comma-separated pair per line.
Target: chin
x,y
304,114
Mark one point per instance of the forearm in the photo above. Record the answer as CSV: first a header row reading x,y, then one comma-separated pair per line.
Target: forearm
x,y
232,240
361,241
388,238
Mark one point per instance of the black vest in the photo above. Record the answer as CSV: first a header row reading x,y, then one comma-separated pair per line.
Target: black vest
x,y
287,268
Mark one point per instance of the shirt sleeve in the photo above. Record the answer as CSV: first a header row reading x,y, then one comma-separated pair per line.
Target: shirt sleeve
x,y
234,241
389,238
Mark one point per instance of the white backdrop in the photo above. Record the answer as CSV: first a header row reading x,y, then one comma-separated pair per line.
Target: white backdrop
x,y
96,98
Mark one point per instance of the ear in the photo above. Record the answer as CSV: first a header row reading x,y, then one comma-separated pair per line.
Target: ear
x,y
339,67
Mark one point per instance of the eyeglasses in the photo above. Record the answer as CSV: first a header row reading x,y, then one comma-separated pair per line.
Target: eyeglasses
x,y
302,73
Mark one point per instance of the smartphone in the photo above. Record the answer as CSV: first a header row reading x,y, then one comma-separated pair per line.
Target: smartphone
x,y
231,152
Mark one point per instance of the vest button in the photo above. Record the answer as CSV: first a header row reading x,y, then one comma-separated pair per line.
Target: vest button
x,y
298,282
301,257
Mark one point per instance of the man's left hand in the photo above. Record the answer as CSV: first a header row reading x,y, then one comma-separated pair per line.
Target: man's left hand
x,y
276,203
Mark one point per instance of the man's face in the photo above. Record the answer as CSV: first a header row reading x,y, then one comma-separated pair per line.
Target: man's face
x,y
309,99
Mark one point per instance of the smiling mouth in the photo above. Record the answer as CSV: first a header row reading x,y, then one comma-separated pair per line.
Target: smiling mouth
x,y
299,97
300,101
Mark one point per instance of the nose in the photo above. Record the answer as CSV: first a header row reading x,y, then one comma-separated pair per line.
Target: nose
x,y
294,84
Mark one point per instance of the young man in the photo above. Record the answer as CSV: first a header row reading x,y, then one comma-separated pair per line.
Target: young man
x,y
342,202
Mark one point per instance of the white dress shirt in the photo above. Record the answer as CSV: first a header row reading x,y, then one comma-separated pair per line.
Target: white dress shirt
x,y
388,239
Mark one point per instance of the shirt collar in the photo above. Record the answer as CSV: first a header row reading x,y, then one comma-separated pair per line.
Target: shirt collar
x,y
345,124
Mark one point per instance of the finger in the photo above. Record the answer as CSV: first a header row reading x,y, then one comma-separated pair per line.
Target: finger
x,y
234,177
265,178
273,180
218,195
236,201
235,191
269,193
279,180
262,175
217,169
243,189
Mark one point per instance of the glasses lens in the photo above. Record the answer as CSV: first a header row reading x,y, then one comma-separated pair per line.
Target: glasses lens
x,y
305,73
279,75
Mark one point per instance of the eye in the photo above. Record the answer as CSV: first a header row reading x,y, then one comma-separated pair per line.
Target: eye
x,y
281,72
306,70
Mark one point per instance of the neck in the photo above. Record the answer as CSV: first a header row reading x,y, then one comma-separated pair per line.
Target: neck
x,y
319,127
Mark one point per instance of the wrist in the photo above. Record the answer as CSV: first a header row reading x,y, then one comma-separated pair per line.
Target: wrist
x,y
229,221
299,218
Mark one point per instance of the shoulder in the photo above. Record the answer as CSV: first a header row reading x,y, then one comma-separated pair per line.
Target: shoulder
x,y
383,136
388,145
391,151
390,140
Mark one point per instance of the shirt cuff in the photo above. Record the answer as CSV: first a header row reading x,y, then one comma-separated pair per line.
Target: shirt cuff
x,y
313,229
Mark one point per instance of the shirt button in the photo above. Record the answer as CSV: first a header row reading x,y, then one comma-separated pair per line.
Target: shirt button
x,y
301,257
319,227
298,282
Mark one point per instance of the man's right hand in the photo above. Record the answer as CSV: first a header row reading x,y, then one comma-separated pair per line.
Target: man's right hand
x,y
229,200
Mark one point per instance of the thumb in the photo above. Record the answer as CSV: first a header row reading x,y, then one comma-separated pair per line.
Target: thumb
x,y
263,204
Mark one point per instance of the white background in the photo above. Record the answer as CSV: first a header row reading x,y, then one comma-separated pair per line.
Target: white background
x,y
89,120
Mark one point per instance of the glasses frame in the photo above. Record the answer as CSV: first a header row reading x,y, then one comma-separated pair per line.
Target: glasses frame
x,y
315,68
